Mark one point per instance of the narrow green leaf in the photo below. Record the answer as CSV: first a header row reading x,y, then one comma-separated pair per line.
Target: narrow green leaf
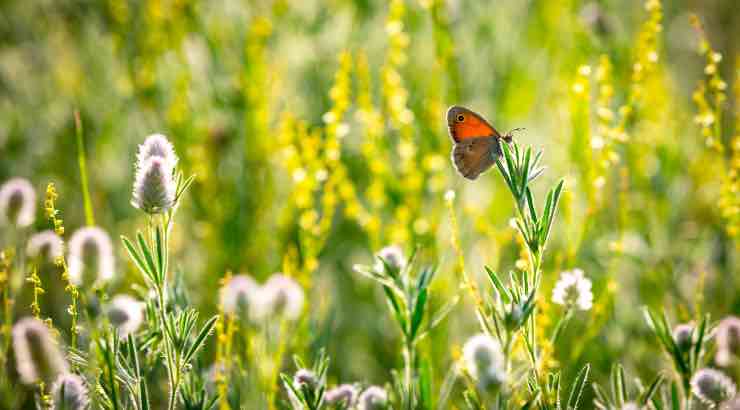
x,y
136,257
200,339
578,385
498,285
418,314
647,395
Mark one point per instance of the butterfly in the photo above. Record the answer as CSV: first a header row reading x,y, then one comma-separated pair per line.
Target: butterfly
x,y
476,144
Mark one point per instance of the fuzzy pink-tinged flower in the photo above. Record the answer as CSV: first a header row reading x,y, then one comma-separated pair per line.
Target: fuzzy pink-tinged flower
x,y
154,186
373,398
343,395
125,313
305,377
392,256
90,256
682,335
728,340
712,386
37,355
484,361
240,293
46,245
280,295
157,145
69,392
17,203
573,289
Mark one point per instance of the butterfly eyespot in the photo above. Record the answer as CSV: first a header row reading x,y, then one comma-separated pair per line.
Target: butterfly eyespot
x,y
460,118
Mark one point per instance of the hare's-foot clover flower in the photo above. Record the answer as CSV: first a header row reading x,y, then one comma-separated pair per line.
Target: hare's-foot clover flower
x,y
343,395
240,294
305,378
373,398
69,392
125,314
573,290
391,256
712,386
17,203
682,335
484,361
154,186
90,256
281,295
46,246
728,340
157,145
38,358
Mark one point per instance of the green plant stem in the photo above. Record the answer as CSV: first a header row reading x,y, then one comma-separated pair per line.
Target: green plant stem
x,y
81,160
409,354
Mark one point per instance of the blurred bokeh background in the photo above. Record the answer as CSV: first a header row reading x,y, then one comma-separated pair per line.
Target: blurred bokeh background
x,y
316,130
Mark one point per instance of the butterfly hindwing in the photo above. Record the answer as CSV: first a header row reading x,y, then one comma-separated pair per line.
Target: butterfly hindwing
x,y
475,155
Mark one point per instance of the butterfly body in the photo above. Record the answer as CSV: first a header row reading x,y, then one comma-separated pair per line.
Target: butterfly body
x,y
476,144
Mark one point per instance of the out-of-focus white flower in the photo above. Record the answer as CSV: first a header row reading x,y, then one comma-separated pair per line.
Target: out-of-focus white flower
x,y
69,393
154,186
712,386
373,398
239,293
280,295
484,361
37,356
45,245
392,256
90,256
728,340
573,289
630,405
344,395
157,145
17,203
125,314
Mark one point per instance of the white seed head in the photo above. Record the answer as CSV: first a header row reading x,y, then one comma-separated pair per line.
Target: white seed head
x,y
373,398
682,335
17,203
484,361
573,289
712,386
45,245
157,145
344,395
392,256
239,294
154,186
279,296
37,355
125,314
728,340
69,393
90,256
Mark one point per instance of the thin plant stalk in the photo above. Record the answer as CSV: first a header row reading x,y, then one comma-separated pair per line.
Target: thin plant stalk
x,y
82,161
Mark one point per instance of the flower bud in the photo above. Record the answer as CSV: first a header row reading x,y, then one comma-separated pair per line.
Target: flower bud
x,y
157,145
17,203
125,314
45,246
373,398
305,378
154,187
712,386
38,358
90,256
69,393
682,335
728,340
343,395
391,256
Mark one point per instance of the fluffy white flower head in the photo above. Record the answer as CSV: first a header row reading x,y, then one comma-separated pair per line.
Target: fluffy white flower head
x,y
90,252
573,289
728,340
17,203
69,392
240,292
157,145
125,313
712,386
154,187
46,245
280,295
37,355
373,398
344,394
484,360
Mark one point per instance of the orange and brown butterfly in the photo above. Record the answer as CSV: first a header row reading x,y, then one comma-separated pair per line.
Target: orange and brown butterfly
x,y
476,145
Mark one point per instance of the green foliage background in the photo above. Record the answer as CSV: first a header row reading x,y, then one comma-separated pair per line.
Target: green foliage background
x,y
243,90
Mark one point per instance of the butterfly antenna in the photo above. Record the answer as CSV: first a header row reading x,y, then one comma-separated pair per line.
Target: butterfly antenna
x,y
510,135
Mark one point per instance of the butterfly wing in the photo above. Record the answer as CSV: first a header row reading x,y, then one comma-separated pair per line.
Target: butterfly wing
x,y
463,123
474,155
